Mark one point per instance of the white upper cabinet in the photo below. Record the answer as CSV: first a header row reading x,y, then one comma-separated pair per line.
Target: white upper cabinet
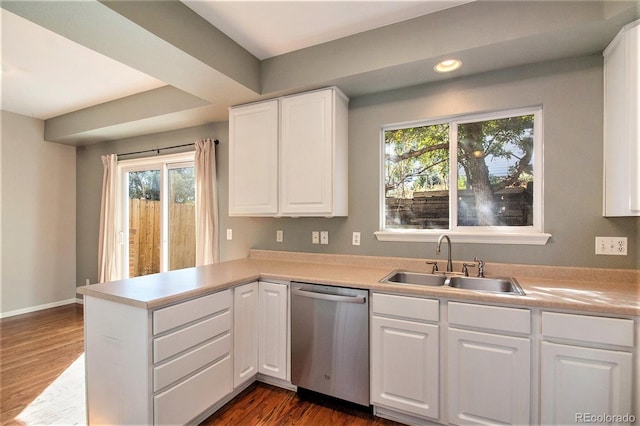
x,y
313,154
289,156
253,160
621,128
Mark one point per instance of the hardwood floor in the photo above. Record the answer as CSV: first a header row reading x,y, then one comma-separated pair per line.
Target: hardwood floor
x,y
36,348
263,404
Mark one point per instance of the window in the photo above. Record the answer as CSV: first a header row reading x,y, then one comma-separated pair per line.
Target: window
x,y
159,208
477,177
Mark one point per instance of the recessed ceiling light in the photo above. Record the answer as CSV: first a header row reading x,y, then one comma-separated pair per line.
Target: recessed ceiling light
x,y
448,65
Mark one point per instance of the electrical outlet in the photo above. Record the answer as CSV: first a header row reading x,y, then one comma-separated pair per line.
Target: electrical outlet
x,y
355,239
324,237
315,237
229,234
611,246
279,236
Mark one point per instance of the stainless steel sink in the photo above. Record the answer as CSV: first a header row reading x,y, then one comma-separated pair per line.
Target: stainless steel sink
x,y
494,285
420,278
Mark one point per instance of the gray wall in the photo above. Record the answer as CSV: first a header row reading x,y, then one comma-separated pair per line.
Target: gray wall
x,y
89,183
571,93
38,218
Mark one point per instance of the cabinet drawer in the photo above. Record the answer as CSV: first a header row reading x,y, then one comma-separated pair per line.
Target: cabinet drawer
x,y
178,341
174,316
186,364
406,307
192,397
490,317
608,331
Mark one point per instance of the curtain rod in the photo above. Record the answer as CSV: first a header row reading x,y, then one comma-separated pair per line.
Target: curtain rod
x,y
157,150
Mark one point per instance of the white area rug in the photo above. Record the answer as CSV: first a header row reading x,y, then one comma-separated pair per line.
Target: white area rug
x,y
62,402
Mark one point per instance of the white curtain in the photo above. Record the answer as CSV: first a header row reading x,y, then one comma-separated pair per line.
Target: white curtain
x,y
206,203
108,261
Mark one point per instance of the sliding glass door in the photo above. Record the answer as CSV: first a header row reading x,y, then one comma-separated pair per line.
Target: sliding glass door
x,y
144,239
159,208
181,244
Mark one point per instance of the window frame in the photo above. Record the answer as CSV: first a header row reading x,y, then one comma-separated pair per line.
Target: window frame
x,y
530,235
160,162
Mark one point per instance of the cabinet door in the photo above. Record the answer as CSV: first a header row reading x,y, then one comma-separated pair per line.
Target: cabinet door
x,y
272,330
404,366
253,160
306,154
578,381
621,128
245,331
489,378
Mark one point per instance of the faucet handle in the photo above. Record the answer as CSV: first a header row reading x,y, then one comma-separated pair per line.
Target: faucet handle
x,y
435,266
480,267
465,268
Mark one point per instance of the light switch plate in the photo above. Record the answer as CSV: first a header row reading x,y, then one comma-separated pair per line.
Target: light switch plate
x,y
324,237
279,236
315,237
355,239
229,234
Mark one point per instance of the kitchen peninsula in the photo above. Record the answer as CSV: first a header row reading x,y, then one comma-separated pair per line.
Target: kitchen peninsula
x,y
169,340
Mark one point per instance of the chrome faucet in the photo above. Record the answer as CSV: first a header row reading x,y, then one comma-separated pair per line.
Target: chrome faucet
x,y
480,266
449,262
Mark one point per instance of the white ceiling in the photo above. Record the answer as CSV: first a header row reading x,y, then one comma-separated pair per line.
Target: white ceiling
x,y
46,75
259,27
103,70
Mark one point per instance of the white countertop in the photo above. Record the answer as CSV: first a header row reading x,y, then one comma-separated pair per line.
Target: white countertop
x,y
591,290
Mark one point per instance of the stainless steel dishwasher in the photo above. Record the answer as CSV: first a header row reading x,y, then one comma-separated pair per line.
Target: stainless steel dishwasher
x,y
330,341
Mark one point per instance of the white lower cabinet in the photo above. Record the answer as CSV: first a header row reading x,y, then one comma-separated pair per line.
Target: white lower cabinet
x,y
193,396
273,327
245,333
176,364
489,378
261,330
165,366
489,374
192,356
405,354
586,369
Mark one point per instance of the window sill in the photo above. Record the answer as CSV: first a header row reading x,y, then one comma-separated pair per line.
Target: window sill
x,y
521,238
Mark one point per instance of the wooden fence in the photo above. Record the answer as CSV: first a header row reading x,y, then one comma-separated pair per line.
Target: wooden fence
x,y
144,236
430,210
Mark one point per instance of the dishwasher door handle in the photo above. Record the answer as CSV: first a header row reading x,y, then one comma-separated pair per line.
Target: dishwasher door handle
x,y
330,297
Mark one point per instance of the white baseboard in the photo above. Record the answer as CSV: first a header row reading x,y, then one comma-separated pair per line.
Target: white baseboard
x,y
284,384
38,308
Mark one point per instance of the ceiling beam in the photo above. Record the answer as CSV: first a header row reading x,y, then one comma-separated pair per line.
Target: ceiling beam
x,y
163,39
87,125
494,31
194,38
204,68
